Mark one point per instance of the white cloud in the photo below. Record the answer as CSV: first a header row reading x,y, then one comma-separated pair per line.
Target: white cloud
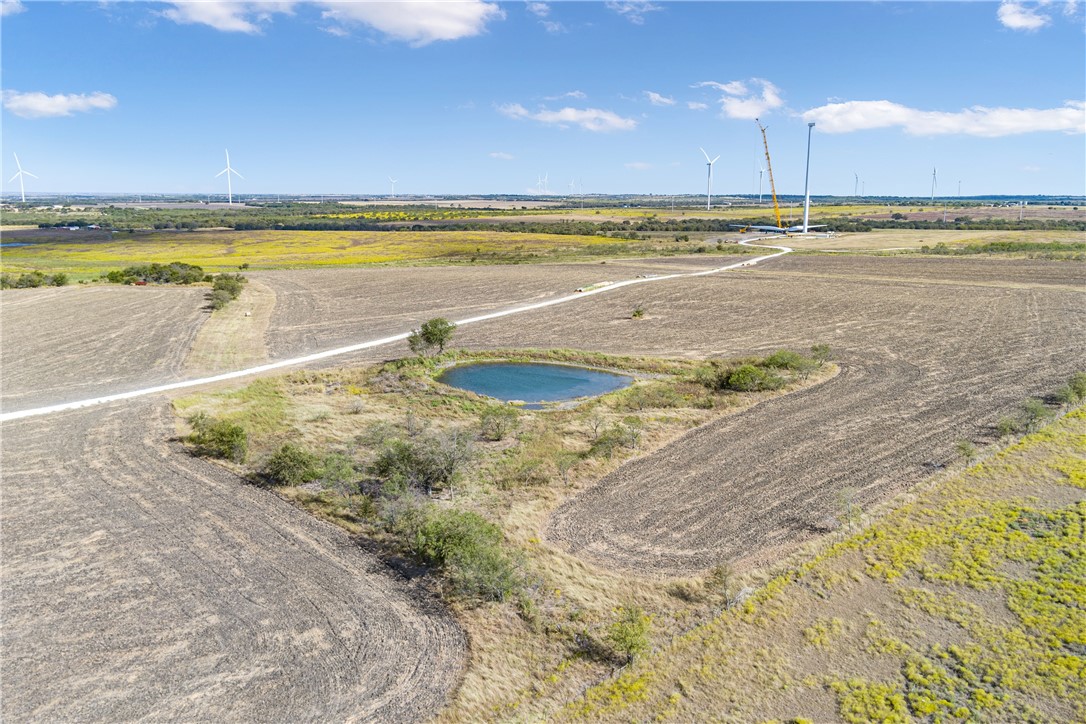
x,y
11,7
746,99
638,166
658,100
540,10
552,27
632,10
571,94
1017,16
40,105
419,22
696,106
501,155
975,121
229,17
590,119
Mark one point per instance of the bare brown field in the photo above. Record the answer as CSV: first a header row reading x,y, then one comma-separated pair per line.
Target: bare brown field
x,y
143,584
323,308
67,343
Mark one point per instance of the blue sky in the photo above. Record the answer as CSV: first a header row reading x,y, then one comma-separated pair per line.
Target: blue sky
x,y
480,97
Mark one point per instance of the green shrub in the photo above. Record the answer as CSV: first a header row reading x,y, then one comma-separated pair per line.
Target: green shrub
x,y
1077,383
431,460
232,284
1035,413
218,438
784,359
629,635
292,465
218,298
497,421
467,548
748,378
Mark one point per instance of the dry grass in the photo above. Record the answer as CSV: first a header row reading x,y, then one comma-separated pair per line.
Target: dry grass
x,y
913,239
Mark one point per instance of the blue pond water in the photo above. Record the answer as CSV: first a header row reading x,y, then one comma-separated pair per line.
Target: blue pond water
x,y
533,382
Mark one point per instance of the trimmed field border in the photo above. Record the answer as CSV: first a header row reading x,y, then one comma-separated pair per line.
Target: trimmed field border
x,y
281,364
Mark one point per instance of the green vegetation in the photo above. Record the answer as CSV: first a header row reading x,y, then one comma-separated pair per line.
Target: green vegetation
x,y
428,471
175,272
32,280
292,465
629,635
225,288
218,438
433,333
1033,250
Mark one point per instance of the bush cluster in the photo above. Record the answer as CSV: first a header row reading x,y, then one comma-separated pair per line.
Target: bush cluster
x,y
225,288
32,280
465,546
426,462
292,465
173,273
218,438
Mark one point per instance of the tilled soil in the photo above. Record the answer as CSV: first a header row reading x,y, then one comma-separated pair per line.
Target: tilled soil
x,y
318,309
141,583
68,343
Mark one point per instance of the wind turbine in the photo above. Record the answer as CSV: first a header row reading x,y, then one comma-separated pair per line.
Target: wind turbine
x,y
806,183
709,187
932,184
393,182
19,175
760,172
856,186
228,171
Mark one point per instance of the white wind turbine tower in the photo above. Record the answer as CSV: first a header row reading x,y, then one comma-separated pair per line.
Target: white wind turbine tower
x,y
19,175
228,171
393,182
709,187
932,184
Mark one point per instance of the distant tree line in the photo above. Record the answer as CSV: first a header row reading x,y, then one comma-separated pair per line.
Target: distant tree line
x,y
33,279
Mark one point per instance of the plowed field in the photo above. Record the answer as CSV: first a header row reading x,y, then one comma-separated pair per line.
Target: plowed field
x,y
140,583
68,343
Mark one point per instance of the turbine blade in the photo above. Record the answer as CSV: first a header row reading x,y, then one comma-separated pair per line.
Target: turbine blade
x,y
17,175
27,173
237,174
703,153
17,164
715,160
220,173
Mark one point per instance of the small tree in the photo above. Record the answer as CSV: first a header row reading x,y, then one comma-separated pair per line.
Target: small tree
x,y
850,509
629,635
1035,413
821,352
218,438
497,421
436,332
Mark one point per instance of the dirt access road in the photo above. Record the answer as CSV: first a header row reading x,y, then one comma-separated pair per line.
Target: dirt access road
x,y
141,583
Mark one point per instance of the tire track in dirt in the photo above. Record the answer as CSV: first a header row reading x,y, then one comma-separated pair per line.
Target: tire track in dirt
x,y
141,583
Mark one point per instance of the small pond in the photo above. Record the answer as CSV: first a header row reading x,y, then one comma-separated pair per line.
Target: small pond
x,y
533,383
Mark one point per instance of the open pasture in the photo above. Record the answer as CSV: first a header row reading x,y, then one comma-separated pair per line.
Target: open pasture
x,y
226,250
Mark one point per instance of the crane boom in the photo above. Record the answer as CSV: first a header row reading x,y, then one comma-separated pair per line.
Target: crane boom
x,y
769,168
